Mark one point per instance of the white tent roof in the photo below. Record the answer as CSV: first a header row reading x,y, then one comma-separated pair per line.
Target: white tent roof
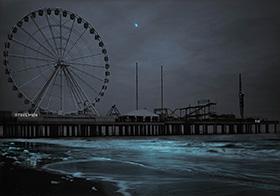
x,y
143,113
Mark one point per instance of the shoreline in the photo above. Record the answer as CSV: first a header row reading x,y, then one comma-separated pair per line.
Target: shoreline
x,y
196,166
19,180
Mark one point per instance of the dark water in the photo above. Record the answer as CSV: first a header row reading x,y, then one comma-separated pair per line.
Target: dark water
x,y
166,165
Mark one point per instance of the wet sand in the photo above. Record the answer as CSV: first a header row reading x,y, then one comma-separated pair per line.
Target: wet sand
x,y
17,180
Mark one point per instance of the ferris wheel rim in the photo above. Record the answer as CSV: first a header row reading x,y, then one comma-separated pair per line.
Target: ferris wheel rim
x,y
53,55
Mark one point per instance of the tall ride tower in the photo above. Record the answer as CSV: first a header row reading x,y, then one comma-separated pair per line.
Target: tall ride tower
x,y
136,85
241,98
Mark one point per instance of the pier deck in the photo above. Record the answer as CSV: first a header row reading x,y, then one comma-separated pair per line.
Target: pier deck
x,y
90,127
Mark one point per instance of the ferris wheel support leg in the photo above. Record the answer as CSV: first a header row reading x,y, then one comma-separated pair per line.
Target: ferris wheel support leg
x,y
44,91
94,111
51,92
61,90
41,90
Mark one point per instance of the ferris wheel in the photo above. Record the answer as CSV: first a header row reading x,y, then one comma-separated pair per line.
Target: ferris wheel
x,y
57,62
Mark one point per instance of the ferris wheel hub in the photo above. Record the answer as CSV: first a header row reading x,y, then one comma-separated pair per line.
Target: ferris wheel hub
x,y
60,60
61,63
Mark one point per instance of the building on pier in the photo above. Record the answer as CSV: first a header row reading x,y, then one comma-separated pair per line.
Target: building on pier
x,y
139,116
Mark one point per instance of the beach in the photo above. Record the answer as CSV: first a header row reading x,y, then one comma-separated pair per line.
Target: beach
x,y
167,165
18,180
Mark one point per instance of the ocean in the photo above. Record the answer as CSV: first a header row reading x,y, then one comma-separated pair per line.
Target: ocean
x,y
160,165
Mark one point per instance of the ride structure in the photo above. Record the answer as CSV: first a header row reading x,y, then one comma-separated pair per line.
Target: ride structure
x,y
57,62
241,98
204,110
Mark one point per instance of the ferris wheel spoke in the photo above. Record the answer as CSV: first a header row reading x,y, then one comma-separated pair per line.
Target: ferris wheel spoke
x,y
54,19
76,87
74,94
82,57
44,88
29,47
60,33
78,99
81,90
75,43
51,30
88,45
37,41
70,33
84,64
51,92
90,86
73,97
38,76
30,57
64,24
43,35
29,68
82,71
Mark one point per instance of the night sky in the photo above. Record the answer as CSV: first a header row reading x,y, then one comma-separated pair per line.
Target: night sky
x,y
202,45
